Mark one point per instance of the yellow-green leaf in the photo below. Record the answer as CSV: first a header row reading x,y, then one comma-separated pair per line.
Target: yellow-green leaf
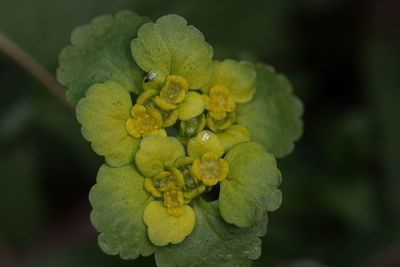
x,y
118,200
192,106
103,114
164,228
171,47
205,141
252,176
273,117
100,51
157,153
238,77
232,136
213,242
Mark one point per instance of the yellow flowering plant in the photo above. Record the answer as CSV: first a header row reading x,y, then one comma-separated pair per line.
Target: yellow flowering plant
x,y
189,143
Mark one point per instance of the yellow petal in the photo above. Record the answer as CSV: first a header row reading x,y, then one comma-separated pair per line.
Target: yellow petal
x,y
146,96
170,117
164,228
132,129
137,110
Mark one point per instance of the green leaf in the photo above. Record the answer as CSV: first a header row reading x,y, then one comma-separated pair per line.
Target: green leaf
x,y
213,242
238,77
252,176
100,51
273,117
164,228
103,114
118,200
233,135
192,106
205,141
170,47
274,200
158,153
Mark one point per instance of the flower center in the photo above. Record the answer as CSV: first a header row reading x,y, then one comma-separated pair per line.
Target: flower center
x,y
218,103
172,93
143,121
192,187
165,181
210,169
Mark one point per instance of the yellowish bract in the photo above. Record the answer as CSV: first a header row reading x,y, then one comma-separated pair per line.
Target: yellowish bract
x,y
164,228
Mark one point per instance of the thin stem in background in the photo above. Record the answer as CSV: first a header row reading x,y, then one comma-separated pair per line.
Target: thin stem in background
x,y
33,67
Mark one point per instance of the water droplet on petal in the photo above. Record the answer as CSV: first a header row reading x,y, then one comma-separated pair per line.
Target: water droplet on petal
x,y
205,137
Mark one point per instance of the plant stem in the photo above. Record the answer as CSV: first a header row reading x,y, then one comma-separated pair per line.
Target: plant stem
x,y
33,67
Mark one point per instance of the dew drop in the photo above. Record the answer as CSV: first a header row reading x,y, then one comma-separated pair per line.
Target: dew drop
x,y
205,137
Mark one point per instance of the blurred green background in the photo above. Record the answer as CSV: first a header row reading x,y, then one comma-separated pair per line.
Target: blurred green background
x,y
341,185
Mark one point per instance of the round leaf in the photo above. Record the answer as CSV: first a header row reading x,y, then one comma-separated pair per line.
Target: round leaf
x,y
192,106
205,141
238,77
157,153
103,114
170,47
213,242
164,228
99,52
273,117
233,135
118,200
252,176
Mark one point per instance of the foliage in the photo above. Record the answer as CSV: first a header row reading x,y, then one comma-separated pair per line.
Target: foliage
x,y
340,185
149,193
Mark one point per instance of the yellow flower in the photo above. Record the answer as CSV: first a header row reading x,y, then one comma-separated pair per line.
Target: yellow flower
x,y
192,187
219,103
172,93
143,121
169,185
164,181
147,99
210,169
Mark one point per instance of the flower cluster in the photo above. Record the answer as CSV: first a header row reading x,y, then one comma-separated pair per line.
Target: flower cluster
x,y
176,127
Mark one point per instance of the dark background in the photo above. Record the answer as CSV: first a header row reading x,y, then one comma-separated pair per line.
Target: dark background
x,y
341,185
